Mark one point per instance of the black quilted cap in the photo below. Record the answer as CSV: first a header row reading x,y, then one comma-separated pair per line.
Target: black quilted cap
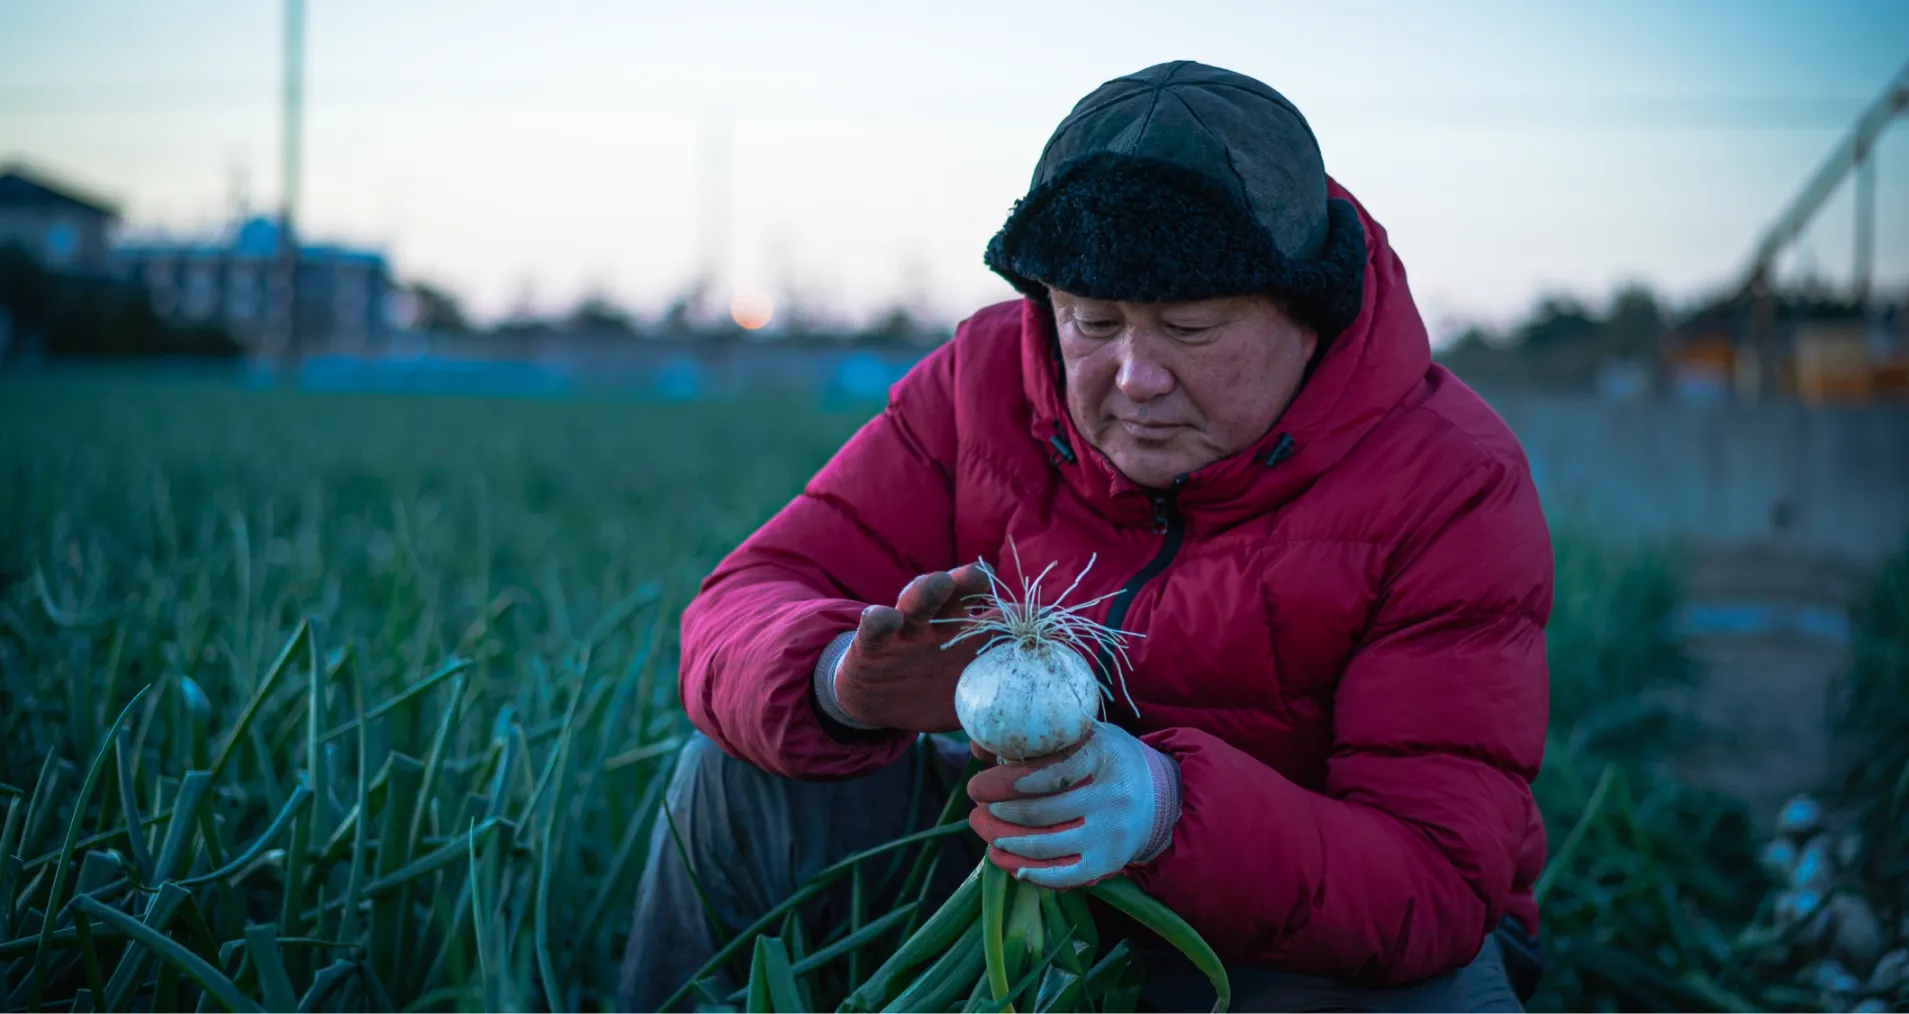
x,y
1181,182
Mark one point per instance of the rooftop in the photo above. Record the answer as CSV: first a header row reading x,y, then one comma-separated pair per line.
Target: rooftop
x,y
256,237
25,187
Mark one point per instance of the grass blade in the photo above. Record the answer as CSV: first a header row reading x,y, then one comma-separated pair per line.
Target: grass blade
x,y
403,697
1568,849
796,936
611,888
327,982
315,718
242,728
951,975
168,950
1073,905
758,1001
647,594
1059,991
37,980
1055,922
487,976
63,617
89,953
300,796
129,808
941,929
857,908
994,887
1033,976
185,809
1107,971
158,917
39,804
374,987
391,942
354,881
847,945
546,853
772,961
261,946
165,993
430,862
1126,896
434,761
1024,939
198,930
723,936
9,873
106,837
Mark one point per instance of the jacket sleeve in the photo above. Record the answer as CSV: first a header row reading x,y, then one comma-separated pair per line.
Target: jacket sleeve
x,y
1403,865
877,515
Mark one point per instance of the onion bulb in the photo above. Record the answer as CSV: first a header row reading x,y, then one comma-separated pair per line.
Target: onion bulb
x,y
1031,691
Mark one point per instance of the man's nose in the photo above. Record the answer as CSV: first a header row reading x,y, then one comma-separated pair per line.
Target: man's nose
x,y
1142,376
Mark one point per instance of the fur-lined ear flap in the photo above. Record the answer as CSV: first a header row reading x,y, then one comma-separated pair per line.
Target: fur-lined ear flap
x,y
1327,292
1140,229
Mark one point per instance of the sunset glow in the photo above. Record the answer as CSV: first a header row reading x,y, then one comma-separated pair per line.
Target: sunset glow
x,y
751,310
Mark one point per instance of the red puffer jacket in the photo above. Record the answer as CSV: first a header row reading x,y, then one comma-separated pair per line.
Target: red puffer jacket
x,y
1344,627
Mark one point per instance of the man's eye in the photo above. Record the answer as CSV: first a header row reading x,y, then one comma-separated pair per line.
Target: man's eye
x,y
1097,327
1186,330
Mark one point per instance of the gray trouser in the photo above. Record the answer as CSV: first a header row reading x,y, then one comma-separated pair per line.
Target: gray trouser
x,y
752,838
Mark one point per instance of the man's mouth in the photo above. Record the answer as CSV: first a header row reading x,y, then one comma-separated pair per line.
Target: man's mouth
x,y
1149,431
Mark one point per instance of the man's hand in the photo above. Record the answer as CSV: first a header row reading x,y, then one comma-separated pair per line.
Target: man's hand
x,y
1079,817
895,673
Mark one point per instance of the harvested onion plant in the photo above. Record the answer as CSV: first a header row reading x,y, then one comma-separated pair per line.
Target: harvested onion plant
x,y
1002,943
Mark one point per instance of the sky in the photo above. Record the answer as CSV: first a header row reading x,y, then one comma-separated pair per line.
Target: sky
x,y
849,155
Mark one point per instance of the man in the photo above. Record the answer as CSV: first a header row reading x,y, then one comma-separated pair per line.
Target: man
x,y
1217,383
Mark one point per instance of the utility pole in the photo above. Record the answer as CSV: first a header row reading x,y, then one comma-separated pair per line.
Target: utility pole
x,y
717,199
290,124
1865,225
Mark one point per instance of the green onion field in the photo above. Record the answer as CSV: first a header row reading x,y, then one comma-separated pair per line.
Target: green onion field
x,y
333,702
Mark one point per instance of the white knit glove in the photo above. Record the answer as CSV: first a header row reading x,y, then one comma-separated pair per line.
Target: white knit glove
x,y
1127,807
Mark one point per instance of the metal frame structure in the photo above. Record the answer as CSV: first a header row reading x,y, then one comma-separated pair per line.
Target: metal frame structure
x,y
1855,154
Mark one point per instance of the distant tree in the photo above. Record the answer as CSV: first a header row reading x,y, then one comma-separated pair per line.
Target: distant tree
x,y
900,325
1475,339
1636,325
684,313
437,311
1480,356
596,313
1559,322
896,326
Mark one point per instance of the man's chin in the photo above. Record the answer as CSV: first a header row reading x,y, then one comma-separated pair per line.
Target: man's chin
x,y
1153,468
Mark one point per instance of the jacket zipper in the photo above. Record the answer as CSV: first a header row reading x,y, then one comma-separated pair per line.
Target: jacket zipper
x,y
1166,520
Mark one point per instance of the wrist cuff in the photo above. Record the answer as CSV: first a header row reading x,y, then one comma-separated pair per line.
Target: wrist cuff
x,y
1164,772
824,680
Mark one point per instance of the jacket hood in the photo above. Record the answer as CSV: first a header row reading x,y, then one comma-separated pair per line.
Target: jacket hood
x,y
1374,365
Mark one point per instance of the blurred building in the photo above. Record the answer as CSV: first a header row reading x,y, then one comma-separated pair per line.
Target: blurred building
x,y
1827,352
346,301
61,227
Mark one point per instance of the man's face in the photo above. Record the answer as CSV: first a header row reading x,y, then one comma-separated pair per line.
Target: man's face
x,y
1163,389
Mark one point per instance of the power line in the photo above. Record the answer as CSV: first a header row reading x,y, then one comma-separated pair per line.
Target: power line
x,y
1634,111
